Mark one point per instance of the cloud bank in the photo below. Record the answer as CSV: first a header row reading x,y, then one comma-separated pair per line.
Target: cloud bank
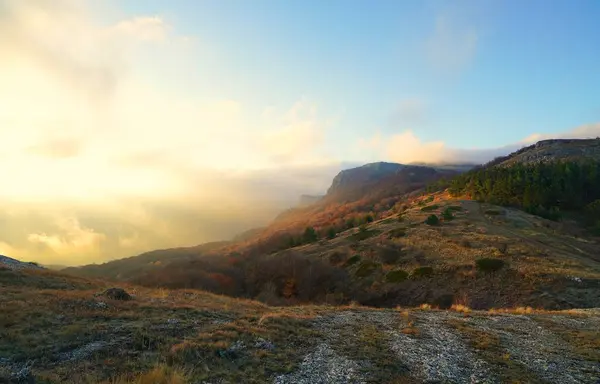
x,y
103,155
406,147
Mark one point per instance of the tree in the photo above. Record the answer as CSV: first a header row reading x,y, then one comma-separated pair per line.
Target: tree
x,y
432,220
447,214
310,235
331,233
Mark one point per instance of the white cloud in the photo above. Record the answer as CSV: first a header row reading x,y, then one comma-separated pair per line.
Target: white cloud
x,y
70,240
294,136
144,28
587,131
405,147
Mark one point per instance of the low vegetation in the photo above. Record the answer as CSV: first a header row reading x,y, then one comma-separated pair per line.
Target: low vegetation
x,y
396,276
432,220
489,265
422,272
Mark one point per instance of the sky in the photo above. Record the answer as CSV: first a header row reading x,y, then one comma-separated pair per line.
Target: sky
x,y
130,125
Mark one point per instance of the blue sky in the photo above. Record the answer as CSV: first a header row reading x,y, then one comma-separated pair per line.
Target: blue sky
x,y
481,73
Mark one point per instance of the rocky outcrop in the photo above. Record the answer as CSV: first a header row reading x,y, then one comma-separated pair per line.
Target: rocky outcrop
x,y
13,264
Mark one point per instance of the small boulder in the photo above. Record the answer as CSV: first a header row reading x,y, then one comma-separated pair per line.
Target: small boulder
x,y
117,294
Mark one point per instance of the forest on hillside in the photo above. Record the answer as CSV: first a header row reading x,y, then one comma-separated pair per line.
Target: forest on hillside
x,y
544,189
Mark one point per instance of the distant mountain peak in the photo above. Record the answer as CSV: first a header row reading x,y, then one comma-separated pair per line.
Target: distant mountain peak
x,y
552,150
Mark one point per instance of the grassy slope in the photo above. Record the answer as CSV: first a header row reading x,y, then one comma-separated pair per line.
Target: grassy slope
x,y
54,326
549,265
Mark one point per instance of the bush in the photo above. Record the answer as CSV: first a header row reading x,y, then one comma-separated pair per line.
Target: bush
x,y
353,260
432,220
422,272
397,232
366,268
444,301
331,233
447,215
489,265
430,208
595,229
389,255
396,276
455,208
310,235
552,213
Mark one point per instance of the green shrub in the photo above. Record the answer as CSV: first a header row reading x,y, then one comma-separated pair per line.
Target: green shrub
x,y
552,213
430,208
397,232
331,233
353,260
310,235
396,276
366,268
455,208
489,265
422,272
447,215
432,220
595,229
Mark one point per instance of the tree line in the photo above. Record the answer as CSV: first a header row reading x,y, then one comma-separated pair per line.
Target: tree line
x,y
543,188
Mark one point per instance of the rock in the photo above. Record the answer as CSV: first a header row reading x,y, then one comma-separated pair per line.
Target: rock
x,y
23,376
117,294
264,344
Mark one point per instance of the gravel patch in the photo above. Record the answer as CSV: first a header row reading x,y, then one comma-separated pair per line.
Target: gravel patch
x,y
83,352
324,366
438,354
540,350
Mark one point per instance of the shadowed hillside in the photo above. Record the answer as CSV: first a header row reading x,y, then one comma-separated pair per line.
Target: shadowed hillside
x,y
57,328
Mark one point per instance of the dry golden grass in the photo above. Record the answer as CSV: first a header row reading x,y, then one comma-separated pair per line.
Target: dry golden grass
x,y
460,308
161,374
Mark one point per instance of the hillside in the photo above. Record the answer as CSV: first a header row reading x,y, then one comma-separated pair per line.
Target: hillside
x,y
370,240
60,329
393,261
137,265
383,179
381,189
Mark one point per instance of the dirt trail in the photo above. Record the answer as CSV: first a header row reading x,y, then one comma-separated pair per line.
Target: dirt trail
x,y
439,348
